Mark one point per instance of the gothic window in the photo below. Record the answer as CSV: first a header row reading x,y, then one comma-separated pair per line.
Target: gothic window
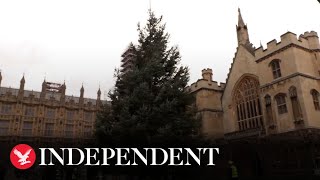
x,y
27,128
29,111
315,97
48,131
69,131
275,66
281,103
296,109
50,113
269,115
246,99
4,127
88,116
6,109
70,115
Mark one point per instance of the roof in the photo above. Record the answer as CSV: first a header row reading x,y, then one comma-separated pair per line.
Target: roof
x,y
49,95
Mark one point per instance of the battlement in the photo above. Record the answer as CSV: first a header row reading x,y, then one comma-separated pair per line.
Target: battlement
x,y
204,84
52,98
207,74
50,94
207,71
310,34
308,40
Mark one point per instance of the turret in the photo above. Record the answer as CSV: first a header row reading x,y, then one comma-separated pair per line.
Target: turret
x,y
207,74
22,83
242,31
99,94
99,97
313,39
81,100
21,89
63,93
43,90
81,91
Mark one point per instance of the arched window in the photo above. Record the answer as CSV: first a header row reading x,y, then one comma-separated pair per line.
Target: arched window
x,y
281,103
315,97
246,99
269,115
275,66
296,109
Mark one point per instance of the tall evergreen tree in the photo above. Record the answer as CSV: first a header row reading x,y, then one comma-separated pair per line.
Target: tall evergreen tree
x,y
150,103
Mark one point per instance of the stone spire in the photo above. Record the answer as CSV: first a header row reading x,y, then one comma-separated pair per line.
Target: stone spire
x,y
22,82
63,88
242,31
99,94
43,90
21,89
81,91
98,97
240,19
44,86
81,100
63,93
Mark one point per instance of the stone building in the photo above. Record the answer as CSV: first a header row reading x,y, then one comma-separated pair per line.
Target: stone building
x,y
270,90
47,114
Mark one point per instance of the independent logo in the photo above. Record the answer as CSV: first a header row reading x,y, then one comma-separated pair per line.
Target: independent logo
x,y
22,156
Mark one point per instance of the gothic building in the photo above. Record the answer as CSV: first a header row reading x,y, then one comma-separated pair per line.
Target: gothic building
x,y
268,91
47,114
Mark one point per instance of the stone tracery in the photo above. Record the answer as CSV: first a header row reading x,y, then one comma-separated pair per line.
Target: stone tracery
x,y
247,102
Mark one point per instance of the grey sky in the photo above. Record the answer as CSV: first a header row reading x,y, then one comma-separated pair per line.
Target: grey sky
x,y
81,40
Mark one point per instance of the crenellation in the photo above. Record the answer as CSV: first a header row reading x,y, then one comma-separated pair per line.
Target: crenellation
x,y
207,74
312,39
308,40
272,44
288,37
310,34
265,75
51,95
204,84
303,39
259,52
261,47
208,70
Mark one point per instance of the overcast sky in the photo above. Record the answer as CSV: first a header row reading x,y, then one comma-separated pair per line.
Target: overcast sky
x,y
80,41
